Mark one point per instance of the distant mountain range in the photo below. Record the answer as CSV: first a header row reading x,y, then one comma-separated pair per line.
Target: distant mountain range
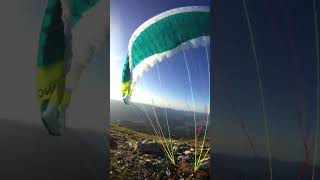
x,y
133,116
230,167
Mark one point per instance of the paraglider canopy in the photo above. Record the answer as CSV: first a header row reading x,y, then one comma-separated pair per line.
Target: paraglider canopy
x,y
65,49
162,37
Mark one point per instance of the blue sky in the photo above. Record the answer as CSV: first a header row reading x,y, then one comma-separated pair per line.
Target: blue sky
x,y
125,17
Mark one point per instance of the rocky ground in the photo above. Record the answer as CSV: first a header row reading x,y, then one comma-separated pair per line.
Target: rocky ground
x,y
136,155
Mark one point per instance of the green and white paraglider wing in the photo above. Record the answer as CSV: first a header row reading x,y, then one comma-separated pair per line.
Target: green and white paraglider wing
x,y
65,48
162,37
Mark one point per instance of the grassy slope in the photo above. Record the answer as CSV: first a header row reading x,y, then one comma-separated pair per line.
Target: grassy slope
x,y
135,135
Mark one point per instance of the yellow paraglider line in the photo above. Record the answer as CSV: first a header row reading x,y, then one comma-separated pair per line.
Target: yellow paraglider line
x,y
165,110
198,164
161,139
159,133
261,91
318,86
165,141
194,110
